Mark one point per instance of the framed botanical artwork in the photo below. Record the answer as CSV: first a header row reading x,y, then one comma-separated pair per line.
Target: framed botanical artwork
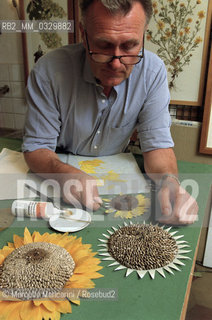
x,y
179,34
47,25
206,134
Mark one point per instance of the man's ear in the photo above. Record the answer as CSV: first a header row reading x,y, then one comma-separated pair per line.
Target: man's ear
x,y
82,32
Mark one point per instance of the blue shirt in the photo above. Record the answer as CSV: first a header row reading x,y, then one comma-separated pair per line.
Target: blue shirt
x,y
68,109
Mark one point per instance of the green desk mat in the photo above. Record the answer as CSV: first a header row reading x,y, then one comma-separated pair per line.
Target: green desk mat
x,y
143,299
14,144
158,299
138,299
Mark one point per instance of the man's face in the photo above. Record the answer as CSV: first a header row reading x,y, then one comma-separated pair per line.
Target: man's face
x,y
114,35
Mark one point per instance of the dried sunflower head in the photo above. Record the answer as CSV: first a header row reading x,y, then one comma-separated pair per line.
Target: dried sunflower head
x,y
39,269
142,247
127,206
124,202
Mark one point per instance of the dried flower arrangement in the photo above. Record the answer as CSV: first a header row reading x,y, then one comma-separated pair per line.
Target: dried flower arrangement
x,y
45,10
177,33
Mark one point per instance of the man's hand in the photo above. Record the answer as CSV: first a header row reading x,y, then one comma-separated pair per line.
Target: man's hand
x,y
80,189
177,205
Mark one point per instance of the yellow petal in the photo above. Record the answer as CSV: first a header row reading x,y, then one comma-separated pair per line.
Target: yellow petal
x,y
129,215
6,251
64,307
86,261
7,308
18,241
78,278
140,198
75,277
123,214
70,247
51,238
143,201
46,315
10,245
94,275
36,237
68,244
87,268
49,305
25,309
87,247
109,210
138,211
80,254
40,238
62,242
77,302
29,312
27,236
99,182
81,284
2,257
37,303
74,248
14,313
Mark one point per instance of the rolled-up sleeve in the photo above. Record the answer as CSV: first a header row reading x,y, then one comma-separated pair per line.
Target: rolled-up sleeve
x,y
154,119
42,125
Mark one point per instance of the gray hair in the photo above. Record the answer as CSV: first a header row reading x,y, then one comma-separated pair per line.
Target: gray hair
x,y
115,6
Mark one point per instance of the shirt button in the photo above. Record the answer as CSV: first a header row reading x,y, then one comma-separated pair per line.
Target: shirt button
x,y
95,147
98,132
103,100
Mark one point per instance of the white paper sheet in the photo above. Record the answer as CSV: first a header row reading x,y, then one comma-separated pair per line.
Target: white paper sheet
x,y
12,167
12,162
115,174
118,173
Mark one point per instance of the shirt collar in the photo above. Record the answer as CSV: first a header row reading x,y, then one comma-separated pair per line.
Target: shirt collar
x,y
87,72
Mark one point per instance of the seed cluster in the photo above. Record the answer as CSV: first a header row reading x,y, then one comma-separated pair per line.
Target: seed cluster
x,y
38,268
142,247
124,202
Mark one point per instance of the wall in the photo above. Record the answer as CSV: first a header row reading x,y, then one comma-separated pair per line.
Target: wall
x,y
12,104
187,141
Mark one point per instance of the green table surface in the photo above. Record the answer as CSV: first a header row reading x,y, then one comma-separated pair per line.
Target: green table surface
x,y
143,299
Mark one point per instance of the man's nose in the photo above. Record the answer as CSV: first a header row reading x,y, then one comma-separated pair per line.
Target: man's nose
x,y
115,63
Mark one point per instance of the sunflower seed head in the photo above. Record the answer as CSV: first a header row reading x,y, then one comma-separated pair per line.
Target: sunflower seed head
x,y
124,202
41,266
142,247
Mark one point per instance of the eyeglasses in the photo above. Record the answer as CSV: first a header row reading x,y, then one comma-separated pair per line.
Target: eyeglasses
x,y
106,58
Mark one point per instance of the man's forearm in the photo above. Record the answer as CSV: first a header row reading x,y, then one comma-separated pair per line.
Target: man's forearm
x,y
77,186
159,162
44,161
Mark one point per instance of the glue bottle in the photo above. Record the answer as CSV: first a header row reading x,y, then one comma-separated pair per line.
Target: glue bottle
x,y
35,209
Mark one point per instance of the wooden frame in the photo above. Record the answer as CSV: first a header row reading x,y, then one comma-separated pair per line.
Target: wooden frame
x,y
206,133
189,84
72,14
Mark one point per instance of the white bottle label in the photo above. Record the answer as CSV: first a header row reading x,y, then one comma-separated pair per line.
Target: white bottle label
x,y
29,208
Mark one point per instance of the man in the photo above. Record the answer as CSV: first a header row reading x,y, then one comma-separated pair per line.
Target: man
x,y
88,99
